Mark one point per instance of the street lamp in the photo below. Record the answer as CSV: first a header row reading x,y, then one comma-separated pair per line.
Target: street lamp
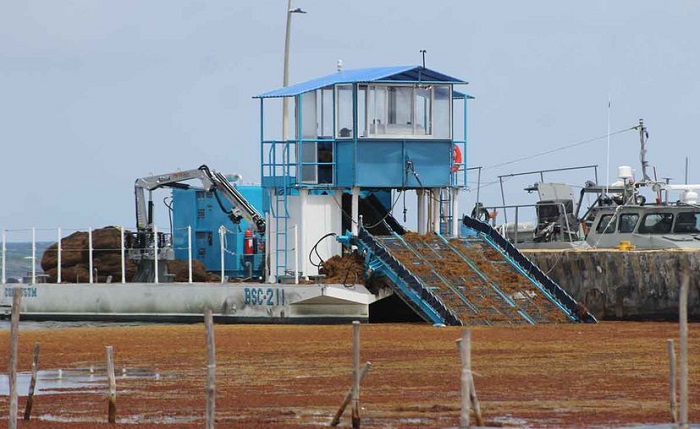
x,y
285,77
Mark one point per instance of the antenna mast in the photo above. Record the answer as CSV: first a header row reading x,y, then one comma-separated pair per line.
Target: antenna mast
x,y
643,136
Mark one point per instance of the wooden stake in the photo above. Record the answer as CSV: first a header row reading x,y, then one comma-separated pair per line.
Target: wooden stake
x,y
356,375
673,405
465,353
112,412
475,400
211,368
32,383
14,340
683,318
472,390
348,396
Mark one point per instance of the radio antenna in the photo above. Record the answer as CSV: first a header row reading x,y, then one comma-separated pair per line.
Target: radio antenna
x,y
607,167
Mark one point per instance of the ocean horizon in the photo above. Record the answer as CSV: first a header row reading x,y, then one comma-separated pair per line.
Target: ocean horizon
x,y
18,259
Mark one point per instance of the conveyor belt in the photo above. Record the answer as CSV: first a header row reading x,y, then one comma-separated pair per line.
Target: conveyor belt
x,y
463,281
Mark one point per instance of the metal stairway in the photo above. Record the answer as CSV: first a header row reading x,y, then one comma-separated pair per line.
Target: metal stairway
x,y
463,281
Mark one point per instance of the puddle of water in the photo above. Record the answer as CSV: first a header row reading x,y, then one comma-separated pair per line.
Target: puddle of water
x,y
509,420
133,419
26,325
661,426
80,380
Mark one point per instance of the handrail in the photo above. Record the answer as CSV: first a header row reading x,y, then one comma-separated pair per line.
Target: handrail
x,y
151,246
517,208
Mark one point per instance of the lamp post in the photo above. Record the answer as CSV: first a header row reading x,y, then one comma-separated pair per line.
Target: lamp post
x,y
285,77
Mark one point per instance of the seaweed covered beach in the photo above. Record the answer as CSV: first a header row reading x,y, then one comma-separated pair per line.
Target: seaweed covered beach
x,y
611,374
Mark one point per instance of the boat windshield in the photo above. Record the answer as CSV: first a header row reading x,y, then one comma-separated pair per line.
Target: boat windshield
x,y
628,221
656,223
606,225
687,222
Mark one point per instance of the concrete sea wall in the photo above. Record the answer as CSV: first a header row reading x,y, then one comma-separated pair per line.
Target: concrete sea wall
x,y
625,285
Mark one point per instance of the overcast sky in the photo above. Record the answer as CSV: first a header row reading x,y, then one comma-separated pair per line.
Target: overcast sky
x,y
96,94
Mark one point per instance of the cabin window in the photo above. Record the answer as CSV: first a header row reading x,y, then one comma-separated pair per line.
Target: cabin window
x,y
442,112
344,108
606,224
656,223
306,116
400,111
687,222
325,162
628,221
324,112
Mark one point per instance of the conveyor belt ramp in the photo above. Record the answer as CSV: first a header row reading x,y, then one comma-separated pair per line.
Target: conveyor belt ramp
x,y
479,280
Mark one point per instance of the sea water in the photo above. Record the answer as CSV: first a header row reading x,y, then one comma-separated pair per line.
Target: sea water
x,y
18,259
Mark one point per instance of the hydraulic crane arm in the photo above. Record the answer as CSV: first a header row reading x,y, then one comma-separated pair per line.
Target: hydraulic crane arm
x,y
240,207
211,181
144,215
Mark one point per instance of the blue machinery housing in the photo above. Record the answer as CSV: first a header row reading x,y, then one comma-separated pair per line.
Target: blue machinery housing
x,y
200,209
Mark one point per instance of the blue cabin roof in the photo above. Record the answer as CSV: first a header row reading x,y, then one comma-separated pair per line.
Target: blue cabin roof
x,y
375,74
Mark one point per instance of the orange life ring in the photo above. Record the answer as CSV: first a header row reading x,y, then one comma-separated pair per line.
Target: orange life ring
x,y
456,158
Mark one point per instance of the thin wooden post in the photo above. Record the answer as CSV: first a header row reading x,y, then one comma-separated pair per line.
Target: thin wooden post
x,y
683,361
112,412
356,375
14,340
465,353
32,383
475,401
672,395
472,390
211,369
348,396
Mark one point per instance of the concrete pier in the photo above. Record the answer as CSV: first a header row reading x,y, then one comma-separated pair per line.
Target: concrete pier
x,y
625,285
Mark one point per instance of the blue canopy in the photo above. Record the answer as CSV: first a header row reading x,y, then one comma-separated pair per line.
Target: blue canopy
x,y
375,74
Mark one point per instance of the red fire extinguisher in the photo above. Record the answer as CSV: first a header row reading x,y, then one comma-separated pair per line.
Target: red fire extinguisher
x,y
248,244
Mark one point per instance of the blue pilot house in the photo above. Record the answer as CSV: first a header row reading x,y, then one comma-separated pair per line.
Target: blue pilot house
x,y
354,139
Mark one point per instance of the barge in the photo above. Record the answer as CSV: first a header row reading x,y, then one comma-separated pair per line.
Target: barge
x,y
361,139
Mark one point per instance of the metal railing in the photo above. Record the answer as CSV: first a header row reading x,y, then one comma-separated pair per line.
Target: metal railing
x,y
503,229
26,244
30,246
